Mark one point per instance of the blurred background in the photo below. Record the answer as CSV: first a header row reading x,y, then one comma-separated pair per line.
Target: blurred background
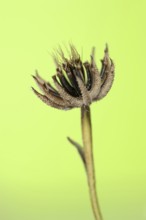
x,y
41,174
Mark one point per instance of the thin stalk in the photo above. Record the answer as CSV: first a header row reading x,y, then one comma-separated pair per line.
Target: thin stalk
x,y
89,161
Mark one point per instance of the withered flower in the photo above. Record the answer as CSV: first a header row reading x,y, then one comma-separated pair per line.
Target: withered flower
x,y
79,84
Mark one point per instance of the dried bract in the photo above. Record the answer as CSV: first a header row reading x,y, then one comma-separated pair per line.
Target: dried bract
x,y
77,84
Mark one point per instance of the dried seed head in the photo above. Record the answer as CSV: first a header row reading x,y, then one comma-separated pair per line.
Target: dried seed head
x,y
77,84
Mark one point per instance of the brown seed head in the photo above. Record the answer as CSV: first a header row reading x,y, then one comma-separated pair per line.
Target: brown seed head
x,y
77,84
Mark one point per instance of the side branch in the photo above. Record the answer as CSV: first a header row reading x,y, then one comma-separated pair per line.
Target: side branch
x,y
79,149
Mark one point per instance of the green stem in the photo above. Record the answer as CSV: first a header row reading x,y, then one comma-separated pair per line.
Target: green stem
x,y
89,161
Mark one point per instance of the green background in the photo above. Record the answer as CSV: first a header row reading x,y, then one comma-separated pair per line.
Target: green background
x,y
41,175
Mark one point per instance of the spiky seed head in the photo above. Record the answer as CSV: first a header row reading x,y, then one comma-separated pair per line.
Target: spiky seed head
x,y
77,84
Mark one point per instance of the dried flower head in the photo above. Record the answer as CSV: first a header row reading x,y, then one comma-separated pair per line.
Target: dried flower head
x,y
77,84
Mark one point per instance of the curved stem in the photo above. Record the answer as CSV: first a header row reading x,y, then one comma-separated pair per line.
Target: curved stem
x,y
89,161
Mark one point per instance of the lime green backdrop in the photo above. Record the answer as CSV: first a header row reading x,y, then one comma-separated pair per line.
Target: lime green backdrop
x,y
41,175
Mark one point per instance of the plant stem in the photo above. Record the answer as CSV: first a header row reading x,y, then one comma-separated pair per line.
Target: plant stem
x,y
89,161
